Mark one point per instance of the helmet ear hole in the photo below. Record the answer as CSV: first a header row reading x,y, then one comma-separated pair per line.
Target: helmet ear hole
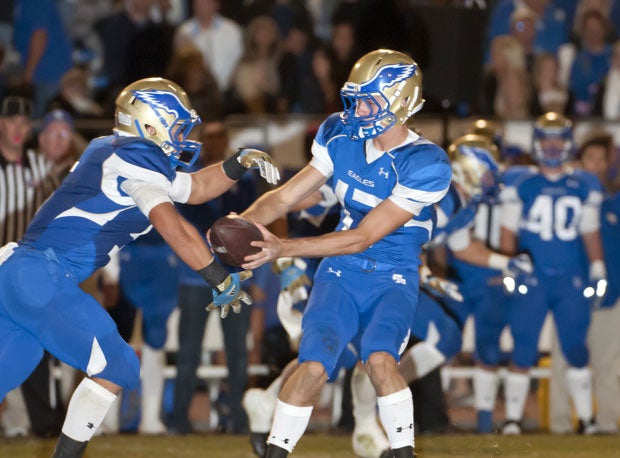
x,y
150,130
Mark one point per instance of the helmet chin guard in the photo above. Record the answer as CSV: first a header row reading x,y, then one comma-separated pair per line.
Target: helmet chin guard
x,y
158,110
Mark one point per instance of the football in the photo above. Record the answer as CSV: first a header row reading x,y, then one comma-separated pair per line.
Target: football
x,y
230,239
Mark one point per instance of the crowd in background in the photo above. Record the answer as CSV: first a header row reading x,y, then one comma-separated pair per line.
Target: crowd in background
x,y
62,61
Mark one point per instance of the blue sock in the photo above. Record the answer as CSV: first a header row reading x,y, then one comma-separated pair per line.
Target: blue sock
x,y
485,421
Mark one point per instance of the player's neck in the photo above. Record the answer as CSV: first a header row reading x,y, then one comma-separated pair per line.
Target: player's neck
x,y
391,138
553,173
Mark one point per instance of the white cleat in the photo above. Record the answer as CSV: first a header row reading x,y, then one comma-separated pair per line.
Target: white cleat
x,y
369,440
511,428
259,405
152,428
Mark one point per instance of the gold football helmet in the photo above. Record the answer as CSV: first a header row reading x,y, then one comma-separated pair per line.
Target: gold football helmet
x,y
475,164
160,111
384,88
553,125
488,128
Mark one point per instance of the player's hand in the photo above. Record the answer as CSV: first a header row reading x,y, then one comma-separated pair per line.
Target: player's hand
x,y
517,274
441,287
229,294
256,159
597,285
292,273
271,249
518,265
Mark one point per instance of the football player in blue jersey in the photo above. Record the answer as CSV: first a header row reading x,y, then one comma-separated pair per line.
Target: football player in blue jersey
x,y
596,154
552,212
440,318
386,178
123,186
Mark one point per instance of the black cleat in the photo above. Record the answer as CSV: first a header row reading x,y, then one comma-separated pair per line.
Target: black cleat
x,y
68,448
259,443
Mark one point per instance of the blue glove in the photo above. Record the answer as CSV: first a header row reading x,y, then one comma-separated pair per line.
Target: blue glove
x,y
518,274
597,285
438,286
292,273
229,294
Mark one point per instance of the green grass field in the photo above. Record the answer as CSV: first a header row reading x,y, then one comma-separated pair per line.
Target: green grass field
x,y
326,446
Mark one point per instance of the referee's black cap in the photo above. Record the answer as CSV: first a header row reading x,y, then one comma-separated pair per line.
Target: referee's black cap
x,y
14,105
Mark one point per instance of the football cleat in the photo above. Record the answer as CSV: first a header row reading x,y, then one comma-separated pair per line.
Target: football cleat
x,y
259,405
511,428
369,441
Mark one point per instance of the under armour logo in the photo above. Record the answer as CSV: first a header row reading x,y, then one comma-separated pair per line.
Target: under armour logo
x,y
285,441
90,425
383,173
399,279
400,429
337,273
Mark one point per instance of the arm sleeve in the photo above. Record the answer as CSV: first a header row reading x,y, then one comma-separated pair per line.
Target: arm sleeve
x,y
591,216
146,195
511,208
181,188
321,160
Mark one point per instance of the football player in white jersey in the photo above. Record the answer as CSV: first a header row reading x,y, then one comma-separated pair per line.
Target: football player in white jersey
x,y
386,178
552,212
123,186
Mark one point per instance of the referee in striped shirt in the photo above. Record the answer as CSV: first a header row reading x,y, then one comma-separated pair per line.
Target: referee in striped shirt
x,y
25,183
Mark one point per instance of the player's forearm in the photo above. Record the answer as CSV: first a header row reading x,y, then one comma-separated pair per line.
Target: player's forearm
x,y
268,208
593,245
508,242
182,237
475,253
208,183
331,244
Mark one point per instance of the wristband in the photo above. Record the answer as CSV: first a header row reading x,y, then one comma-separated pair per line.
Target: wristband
x,y
597,269
214,274
233,168
498,261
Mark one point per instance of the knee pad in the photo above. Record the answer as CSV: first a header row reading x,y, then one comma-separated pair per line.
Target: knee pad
x,y
155,332
322,344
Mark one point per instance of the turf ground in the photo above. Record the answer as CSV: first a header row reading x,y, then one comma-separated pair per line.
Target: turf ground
x,y
326,446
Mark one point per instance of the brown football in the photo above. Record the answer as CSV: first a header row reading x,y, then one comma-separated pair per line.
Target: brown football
x,y
230,239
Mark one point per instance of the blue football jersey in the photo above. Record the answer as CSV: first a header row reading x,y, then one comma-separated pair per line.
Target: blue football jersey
x,y
550,214
414,176
90,216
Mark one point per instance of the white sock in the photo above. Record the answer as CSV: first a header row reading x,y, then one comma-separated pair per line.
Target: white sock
x,y
579,383
152,365
363,397
111,422
426,358
396,413
516,388
87,408
485,389
289,424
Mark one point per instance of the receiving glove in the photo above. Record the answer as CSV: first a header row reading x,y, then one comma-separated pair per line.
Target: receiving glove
x,y
441,287
229,294
255,159
597,285
517,274
292,273
438,286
